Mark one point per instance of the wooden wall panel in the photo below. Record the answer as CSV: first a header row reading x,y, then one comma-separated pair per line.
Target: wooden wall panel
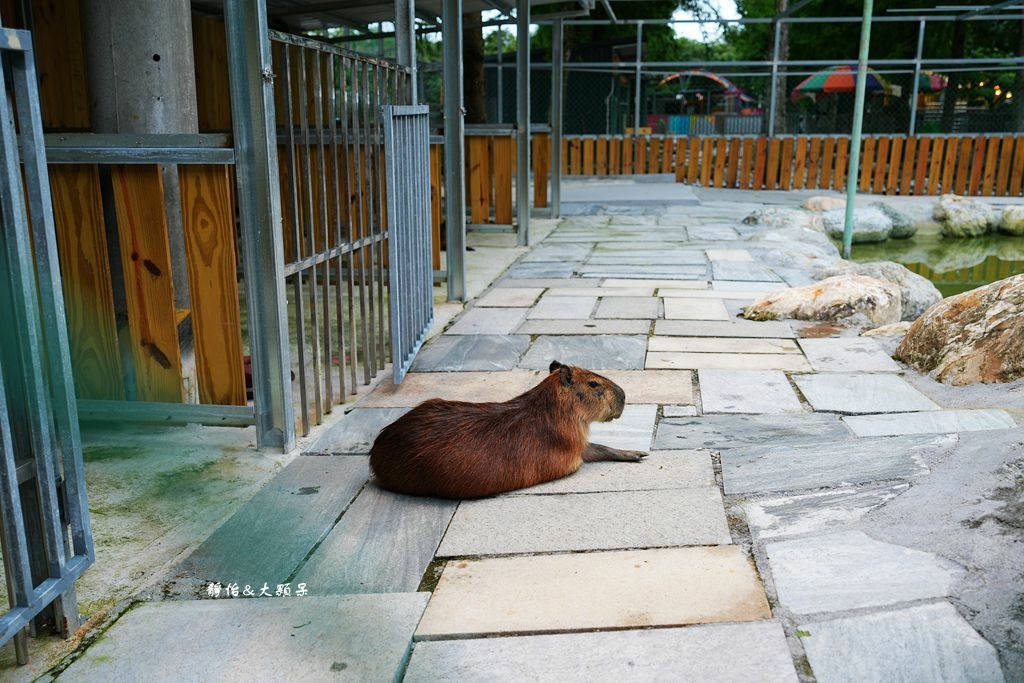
x,y
935,168
786,163
436,182
827,163
479,181
213,100
839,176
771,173
734,160
867,160
601,156
60,61
923,157
720,152
693,160
881,165
813,161
504,169
746,165
907,169
799,163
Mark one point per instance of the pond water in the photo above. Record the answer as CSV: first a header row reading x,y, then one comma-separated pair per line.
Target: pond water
x,y
955,265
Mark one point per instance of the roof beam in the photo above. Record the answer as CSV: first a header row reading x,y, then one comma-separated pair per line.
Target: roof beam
x,y
990,8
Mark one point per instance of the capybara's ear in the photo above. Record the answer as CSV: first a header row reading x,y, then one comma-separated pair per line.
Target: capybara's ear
x,y
566,374
554,366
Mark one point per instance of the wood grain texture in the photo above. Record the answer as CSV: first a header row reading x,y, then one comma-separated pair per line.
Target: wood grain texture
x,y
720,152
627,155
747,164
479,180
907,170
921,168
839,177
60,61
435,203
601,155
977,165
799,163
760,157
1005,164
734,160
654,157
963,166
867,161
666,157
881,165
208,217
1017,175
588,156
892,181
988,179
771,173
146,262
786,164
640,145
680,161
210,50
813,162
949,167
827,163
503,171
935,170
693,161
576,159
706,161
86,280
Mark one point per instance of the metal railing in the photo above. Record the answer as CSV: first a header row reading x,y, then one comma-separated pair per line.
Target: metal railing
x,y
42,482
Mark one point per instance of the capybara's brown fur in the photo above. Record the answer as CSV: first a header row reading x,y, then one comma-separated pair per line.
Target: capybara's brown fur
x,y
455,449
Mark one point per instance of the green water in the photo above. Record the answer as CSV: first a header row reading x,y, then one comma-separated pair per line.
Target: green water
x,y
954,265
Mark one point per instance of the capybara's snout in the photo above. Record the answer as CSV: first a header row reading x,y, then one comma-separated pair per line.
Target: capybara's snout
x,y
616,401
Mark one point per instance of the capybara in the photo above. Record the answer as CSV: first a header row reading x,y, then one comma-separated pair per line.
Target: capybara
x,y
456,449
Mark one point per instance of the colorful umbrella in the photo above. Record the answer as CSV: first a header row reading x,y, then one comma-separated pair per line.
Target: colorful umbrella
x,y
931,82
839,79
729,87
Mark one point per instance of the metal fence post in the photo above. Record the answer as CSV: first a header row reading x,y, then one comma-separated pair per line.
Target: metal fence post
x,y
858,118
773,89
259,209
523,122
557,75
454,150
637,76
917,77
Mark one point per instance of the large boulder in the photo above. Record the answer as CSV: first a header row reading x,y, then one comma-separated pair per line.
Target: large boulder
x,y
796,248
962,217
902,225
824,203
781,217
1012,222
869,224
971,337
917,292
852,299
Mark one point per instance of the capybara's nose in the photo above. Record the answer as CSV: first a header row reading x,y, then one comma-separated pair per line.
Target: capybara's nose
x,y
620,402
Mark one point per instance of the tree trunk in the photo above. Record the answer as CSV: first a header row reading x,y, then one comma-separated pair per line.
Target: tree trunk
x,y
474,88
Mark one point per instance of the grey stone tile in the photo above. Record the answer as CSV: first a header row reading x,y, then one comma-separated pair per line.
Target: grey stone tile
x,y
655,283
739,270
857,393
594,353
747,391
930,422
637,588
723,294
586,521
369,636
604,249
453,386
757,651
679,411
679,308
489,321
543,269
563,308
606,292
471,352
509,297
921,643
629,307
382,544
632,431
729,255
847,354
789,362
712,233
721,432
725,285
642,257
627,271
558,252
603,326
654,386
541,282
776,329
772,467
810,512
850,570
722,345
660,470
355,433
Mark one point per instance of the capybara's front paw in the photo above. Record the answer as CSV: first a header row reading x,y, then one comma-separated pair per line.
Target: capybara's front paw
x,y
632,456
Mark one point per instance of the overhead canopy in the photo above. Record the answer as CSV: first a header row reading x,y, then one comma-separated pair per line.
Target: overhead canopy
x,y
842,78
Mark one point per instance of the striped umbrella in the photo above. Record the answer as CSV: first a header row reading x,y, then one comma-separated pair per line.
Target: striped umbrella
x,y
839,79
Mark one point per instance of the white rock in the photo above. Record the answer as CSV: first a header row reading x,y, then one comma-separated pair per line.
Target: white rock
x,y
1012,222
918,292
779,217
870,224
853,299
824,203
962,217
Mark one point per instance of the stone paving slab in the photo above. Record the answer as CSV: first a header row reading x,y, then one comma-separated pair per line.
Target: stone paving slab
x,y
543,283
367,637
722,345
862,393
850,570
654,386
747,391
649,257
774,329
636,588
489,321
355,433
471,352
542,269
722,294
810,512
632,431
600,352
789,362
629,307
625,271
678,308
679,411
563,308
847,354
721,432
600,327
306,498
382,544
726,285
586,521
922,643
557,252
930,422
742,271
757,651
729,255
659,470
656,284
509,297
602,248
605,292
712,233
453,386
771,467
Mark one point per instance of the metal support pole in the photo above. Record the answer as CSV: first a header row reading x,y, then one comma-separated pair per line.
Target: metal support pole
x,y
259,208
557,74
917,77
523,122
775,77
636,96
500,118
405,40
858,119
454,149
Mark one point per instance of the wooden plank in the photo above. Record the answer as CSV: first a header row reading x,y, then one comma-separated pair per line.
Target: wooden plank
x,y
734,160
949,167
907,170
640,145
213,101
867,160
208,218
988,179
565,156
615,156
923,148
601,154
963,166
881,164
786,164
654,158
86,280
842,150
813,161
57,35
693,161
435,203
799,163
828,161
1005,163
892,181
977,165
746,180
504,169
576,157
541,158
479,180
146,263
760,161
771,173
627,155
707,159
680,161
720,151
1017,174
666,155
588,155
935,170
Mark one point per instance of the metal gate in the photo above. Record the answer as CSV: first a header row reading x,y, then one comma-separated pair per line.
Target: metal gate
x,y
411,290
42,483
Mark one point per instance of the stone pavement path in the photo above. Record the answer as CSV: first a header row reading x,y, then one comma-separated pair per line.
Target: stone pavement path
x,y
728,538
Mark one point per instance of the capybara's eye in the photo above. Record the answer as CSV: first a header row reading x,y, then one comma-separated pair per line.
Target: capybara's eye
x,y
593,384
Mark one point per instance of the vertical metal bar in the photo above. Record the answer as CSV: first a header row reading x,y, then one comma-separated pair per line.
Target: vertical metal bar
x,y
917,76
352,214
501,86
361,198
325,276
637,76
775,76
405,41
557,74
378,173
339,239
858,118
454,150
523,122
259,207
373,216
